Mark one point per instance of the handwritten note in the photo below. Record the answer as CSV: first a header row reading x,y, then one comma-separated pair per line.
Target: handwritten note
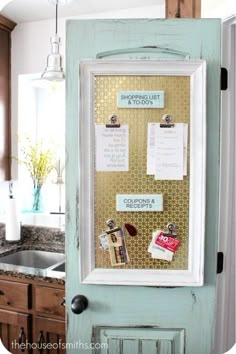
x,y
112,148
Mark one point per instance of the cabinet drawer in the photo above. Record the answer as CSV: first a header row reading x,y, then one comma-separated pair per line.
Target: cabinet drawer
x,y
14,295
50,301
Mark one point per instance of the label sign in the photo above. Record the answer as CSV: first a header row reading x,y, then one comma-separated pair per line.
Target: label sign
x,y
140,99
139,202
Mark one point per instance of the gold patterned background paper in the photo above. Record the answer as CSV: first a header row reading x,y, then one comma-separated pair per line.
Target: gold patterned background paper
x,y
108,184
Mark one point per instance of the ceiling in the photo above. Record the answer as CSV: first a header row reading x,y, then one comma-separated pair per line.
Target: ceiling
x,y
36,10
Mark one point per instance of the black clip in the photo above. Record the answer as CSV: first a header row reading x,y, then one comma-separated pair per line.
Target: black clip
x,y
171,230
113,122
167,118
112,226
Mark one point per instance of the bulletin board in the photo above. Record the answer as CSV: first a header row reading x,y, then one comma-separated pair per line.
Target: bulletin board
x,y
183,200
136,180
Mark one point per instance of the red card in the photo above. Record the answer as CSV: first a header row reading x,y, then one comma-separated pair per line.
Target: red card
x,y
167,242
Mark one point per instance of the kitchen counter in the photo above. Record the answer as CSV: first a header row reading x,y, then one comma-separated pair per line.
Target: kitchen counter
x,y
33,238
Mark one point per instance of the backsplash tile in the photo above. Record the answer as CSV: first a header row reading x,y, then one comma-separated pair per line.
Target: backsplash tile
x,y
37,234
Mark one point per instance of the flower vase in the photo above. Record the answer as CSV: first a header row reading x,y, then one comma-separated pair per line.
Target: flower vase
x,y
37,205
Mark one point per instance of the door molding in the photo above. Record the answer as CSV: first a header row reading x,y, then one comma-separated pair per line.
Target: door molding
x,y
225,318
146,52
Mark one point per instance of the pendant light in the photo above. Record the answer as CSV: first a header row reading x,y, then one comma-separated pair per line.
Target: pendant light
x,y
54,70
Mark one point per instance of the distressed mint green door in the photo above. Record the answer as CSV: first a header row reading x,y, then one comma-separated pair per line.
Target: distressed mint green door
x,y
138,319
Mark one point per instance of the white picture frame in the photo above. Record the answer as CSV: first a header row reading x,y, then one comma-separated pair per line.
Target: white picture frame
x,y
194,275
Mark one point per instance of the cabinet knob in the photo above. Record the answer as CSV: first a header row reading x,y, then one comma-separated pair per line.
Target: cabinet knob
x,y
79,303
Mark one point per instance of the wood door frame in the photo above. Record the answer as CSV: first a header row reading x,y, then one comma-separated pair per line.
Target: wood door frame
x,y
183,9
225,318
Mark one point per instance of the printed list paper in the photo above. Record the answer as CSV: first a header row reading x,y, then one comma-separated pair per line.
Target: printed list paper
x,y
185,127
112,148
169,153
163,159
151,148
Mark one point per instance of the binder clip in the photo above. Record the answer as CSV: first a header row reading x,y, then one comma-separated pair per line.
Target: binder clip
x,y
113,122
111,226
167,118
116,244
171,230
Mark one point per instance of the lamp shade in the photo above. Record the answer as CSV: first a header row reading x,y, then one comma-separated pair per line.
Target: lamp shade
x,y
54,70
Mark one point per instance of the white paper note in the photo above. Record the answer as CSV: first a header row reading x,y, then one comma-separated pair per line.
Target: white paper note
x,y
157,251
169,153
162,253
185,172
151,148
112,148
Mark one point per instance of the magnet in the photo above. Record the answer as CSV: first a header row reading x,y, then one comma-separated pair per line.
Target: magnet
x,y
131,229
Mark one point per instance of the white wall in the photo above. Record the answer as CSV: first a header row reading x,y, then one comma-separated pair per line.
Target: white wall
x,y
218,8
30,47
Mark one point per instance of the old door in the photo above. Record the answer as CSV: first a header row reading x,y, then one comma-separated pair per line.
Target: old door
x,y
126,318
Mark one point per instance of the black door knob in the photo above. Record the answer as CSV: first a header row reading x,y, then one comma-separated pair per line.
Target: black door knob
x,y
79,303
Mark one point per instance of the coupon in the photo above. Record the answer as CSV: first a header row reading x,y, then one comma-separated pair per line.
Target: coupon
x,y
159,252
168,242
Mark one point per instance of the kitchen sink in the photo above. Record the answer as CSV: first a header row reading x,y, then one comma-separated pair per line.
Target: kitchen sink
x,y
33,259
59,268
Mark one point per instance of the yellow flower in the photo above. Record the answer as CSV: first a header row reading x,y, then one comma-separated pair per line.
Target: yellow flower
x,y
38,161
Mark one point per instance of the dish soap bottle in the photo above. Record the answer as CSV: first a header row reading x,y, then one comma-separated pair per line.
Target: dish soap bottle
x,y
12,217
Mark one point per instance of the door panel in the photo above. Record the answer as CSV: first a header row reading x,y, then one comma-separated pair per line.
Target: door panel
x,y
140,340
186,315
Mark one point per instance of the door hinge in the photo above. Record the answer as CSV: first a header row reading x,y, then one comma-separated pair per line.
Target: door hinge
x,y
224,79
220,262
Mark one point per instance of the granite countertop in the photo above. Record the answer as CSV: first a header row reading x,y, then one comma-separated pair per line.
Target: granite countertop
x,y
33,238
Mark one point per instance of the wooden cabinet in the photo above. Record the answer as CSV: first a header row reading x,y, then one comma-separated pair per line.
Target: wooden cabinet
x,y
32,316
15,331
50,319
14,295
53,305
6,26
50,335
